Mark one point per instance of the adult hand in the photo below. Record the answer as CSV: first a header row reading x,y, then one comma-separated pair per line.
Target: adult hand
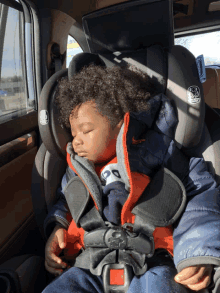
x,y
55,244
195,277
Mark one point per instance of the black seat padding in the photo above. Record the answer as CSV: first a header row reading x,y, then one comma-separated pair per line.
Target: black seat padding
x,y
25,274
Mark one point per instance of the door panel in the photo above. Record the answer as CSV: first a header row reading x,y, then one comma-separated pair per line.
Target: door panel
x,y
16,205
17,158
19,233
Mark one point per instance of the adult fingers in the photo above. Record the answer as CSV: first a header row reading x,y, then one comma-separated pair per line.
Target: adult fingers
x,y
186,274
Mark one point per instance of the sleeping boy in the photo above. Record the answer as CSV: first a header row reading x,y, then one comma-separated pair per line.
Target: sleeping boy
x,y
104,108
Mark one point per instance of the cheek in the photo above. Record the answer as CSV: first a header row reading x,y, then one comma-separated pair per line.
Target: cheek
x,y
99,143
91,143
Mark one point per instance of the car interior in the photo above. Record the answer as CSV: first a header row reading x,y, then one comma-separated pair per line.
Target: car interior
x,y
43,41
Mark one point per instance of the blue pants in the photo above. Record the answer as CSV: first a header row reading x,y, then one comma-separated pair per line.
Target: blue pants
x,y
156,280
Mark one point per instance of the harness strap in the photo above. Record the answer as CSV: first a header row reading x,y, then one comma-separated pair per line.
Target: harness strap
x,y
161,203
91,220
110,247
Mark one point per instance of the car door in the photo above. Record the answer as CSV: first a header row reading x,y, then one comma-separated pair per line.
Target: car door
x,y
19,90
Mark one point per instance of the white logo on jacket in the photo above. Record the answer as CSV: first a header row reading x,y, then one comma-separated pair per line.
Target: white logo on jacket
x,y
110,174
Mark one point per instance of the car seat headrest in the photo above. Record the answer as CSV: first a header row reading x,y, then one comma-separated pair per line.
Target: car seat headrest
x,y
175,74
83,59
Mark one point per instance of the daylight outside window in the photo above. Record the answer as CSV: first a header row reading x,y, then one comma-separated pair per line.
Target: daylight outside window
x,y
13,96
73,48
206,44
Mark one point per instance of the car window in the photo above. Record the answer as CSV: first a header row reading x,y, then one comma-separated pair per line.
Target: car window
x,y
206,44
73,48
14,100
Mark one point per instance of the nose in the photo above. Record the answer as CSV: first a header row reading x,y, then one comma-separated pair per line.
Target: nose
x,y
77,141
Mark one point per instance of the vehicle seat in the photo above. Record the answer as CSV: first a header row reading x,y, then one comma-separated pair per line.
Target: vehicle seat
x,y
174,72
211,87
17,277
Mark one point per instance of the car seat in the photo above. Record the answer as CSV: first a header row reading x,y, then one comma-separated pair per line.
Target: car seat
x,y
176,75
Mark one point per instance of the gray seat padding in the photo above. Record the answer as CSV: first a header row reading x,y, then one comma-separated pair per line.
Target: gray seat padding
x,y
47,173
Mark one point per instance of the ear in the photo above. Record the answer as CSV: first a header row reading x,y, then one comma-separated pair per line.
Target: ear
x,y
118,127
120,124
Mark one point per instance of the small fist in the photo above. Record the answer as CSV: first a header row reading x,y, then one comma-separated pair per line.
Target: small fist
x,y
195,277
55,244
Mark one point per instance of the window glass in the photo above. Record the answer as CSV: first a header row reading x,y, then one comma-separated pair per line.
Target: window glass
x,y
207,44
13,96
73,48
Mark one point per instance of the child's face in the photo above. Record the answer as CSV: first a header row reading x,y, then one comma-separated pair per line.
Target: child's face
x,y
93,136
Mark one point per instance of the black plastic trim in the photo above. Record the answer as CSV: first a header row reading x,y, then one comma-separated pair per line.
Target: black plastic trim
x,y
76,31
198,31
29,60
187,24
12,4
125,11
26,12
117,7
36,46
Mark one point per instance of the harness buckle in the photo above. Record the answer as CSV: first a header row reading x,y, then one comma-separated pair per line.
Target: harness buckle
x,y
115,238
117,277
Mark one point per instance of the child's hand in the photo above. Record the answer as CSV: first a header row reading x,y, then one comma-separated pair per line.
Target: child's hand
x,y
195,277
55,244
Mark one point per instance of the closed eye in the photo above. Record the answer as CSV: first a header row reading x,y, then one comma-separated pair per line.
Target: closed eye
x,y
85,132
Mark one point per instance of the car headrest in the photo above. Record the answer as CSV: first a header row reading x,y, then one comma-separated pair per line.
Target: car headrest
x,y
175,75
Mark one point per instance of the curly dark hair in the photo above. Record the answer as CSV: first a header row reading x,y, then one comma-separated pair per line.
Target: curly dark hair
x,y
115,91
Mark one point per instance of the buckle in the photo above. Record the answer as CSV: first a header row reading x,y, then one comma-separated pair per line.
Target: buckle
x,y
139,242
117,277
115,238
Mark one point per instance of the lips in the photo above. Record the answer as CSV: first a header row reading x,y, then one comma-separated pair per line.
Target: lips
x,y
81,153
